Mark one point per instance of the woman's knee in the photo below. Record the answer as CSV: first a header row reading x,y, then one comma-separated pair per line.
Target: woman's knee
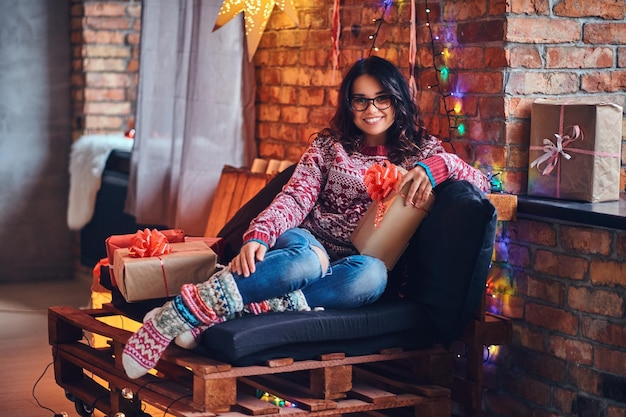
x,y
291,239
301,241
377,272
372,274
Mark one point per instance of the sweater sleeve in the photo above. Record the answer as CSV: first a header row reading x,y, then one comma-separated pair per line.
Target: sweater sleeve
x,y
441,165
294,202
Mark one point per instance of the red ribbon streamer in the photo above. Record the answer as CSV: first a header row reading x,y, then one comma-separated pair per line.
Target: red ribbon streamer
x,y
380,180
335,35
167,290
412,51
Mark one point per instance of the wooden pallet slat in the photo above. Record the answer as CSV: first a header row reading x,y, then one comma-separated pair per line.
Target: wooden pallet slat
x,y
371,394
235,188
289,392
430,391
253,406
222,199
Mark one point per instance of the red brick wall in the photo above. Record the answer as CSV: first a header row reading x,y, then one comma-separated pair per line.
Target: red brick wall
x,y
503,56
576,48
564,287
105,65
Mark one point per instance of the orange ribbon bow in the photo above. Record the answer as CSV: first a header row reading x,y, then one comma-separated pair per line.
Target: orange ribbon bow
x,y
147,243
380,180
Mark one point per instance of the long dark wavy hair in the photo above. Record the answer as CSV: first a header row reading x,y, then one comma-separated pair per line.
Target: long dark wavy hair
x,y
406,132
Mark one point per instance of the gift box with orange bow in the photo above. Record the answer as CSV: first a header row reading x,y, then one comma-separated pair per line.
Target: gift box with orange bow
x,y
575,150
152,267
388,224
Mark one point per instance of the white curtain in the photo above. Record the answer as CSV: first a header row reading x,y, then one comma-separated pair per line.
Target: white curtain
x,y
195,112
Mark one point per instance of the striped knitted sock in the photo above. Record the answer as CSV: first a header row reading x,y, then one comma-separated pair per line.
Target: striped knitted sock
x,y
197,305
214,299
294,301
144,348
188,339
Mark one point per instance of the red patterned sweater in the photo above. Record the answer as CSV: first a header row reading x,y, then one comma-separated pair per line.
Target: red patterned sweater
x,y
326,194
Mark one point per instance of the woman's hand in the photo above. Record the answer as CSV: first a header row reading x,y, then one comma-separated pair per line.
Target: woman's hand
x,y
245,261
420,187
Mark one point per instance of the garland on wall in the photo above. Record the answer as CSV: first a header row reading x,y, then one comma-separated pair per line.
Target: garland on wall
x,y
441,58
335,35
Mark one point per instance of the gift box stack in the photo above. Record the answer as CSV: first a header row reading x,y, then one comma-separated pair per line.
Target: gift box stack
x,y
152,264
575,150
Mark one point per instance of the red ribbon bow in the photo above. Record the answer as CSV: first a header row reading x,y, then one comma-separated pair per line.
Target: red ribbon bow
x,y
147,243
380,180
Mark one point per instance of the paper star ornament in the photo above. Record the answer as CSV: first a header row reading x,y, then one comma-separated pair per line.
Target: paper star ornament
x,y
256,15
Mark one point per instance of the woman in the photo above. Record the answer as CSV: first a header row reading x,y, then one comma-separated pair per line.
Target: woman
x,y
297,252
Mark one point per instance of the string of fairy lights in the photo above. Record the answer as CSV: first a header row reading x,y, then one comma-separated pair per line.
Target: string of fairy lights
x,y
441,57
378,22
451,97
441,60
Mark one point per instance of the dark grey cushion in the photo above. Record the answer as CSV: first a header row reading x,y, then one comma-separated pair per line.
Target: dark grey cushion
x,y
306,334
449,256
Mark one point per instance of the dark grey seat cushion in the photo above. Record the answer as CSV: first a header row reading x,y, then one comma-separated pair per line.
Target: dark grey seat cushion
x,y
448,259
306,334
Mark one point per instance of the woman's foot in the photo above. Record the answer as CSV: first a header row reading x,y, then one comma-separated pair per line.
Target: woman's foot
x,y
144,348
203,304
189,339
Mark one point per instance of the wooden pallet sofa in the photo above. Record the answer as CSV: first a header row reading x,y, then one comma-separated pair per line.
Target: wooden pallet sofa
x,y
390,358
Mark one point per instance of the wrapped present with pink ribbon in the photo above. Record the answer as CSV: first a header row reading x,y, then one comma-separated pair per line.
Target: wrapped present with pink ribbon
x,y
386,227
575,150
152,267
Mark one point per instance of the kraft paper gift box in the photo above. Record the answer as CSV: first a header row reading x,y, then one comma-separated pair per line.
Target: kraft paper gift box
x,y
388,240
575,148
163,276
115,242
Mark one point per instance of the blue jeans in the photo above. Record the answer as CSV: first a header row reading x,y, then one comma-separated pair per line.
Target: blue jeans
x,y
291,264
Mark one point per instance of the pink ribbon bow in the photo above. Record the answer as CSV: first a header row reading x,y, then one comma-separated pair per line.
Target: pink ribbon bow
x,y
553,151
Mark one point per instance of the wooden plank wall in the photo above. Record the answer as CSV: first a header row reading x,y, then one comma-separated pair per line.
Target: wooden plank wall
x,y
234,189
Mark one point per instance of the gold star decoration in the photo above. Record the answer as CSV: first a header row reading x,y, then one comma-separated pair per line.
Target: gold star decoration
x,y
256,16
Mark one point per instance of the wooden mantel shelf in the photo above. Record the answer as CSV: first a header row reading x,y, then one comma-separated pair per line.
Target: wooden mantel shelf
x,y
506,205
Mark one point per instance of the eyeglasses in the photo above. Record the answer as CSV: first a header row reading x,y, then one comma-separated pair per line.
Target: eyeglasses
x,y
361,103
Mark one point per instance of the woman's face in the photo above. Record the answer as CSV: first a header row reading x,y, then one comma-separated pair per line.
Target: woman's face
x,y
376,116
